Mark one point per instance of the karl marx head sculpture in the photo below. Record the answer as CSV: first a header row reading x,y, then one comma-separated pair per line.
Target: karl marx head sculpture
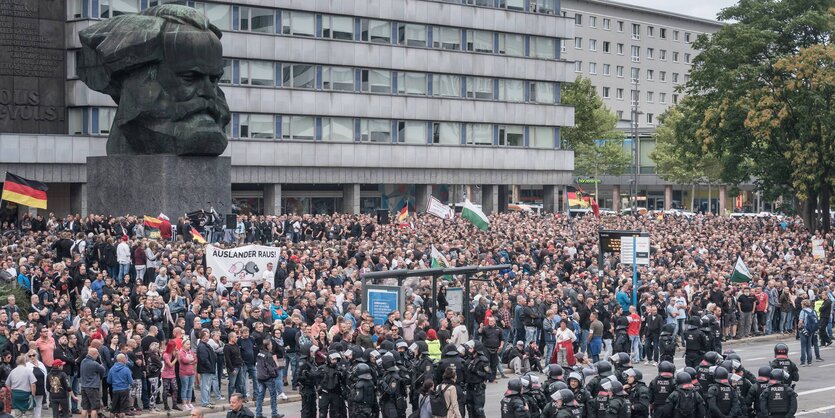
x,y
161,67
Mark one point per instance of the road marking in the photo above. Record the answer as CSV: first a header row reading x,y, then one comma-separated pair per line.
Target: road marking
x,y
827,365
816,411
809,392
755,358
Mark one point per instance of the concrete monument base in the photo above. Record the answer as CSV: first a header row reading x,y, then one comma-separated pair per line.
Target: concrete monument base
x,y
149,184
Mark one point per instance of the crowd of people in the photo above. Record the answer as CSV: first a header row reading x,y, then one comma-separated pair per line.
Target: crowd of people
x,y
105,313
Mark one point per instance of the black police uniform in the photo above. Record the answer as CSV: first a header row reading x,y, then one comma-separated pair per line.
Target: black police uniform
x,y
688,396
779,400
705,377
331,384
639,398
422,368
695,344
784,363
308,377
477,372
660,389
513,405
667,343
363,394
723,401
389,387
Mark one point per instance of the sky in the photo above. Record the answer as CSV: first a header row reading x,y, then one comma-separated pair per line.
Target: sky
x,y
700,8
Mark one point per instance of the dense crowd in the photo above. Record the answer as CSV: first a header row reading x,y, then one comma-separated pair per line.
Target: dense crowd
x,y
114,318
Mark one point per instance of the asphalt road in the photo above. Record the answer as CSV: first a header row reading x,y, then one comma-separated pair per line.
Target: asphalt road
x,y
816,388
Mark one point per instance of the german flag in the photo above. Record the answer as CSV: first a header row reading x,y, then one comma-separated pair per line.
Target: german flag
x,y
24,192
195,236
152,226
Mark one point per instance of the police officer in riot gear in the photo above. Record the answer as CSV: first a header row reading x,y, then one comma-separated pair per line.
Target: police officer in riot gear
x,y
604,370
476,373
722,398
710,359
581,395
660,388
513,405
555,374
782,361
667,343
308,377
563,405
694,378
331,383
716,333
372,358
363,394
763,376
685,401
422,368
622,362
621,344
389,386
536,391
695,342
638,392
779,399
533,403
705,328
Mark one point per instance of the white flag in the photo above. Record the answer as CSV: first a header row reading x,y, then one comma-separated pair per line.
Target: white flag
x,y
435,207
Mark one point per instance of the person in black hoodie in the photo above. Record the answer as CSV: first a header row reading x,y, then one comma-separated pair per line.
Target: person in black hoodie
x,y
652,333
825,315
206,359
234,366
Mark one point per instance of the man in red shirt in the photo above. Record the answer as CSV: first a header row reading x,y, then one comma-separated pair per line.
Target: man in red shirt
x,y
634,333
762,308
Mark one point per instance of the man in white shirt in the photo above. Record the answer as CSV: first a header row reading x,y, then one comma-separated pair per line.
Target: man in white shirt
x,y
268,275
123,258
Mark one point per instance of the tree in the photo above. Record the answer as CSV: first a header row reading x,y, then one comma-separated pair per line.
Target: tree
x,y
761,101
597,144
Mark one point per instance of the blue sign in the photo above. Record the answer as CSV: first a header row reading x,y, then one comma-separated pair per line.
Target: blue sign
x,y
380,302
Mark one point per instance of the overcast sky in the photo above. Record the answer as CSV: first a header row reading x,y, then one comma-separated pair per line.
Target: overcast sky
x,y
700,8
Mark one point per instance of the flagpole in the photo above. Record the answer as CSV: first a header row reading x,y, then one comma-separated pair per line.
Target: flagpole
x,y
635,271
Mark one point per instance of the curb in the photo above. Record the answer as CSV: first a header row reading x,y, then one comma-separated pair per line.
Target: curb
x,y
217,409
761,338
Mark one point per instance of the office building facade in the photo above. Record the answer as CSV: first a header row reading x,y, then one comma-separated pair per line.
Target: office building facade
x,y
338,106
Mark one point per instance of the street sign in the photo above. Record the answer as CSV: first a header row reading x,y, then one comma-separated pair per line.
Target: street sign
x,y
634,248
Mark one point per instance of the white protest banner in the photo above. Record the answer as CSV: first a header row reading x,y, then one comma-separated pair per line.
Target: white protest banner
x,y
241,264
435,207
818,251
455,299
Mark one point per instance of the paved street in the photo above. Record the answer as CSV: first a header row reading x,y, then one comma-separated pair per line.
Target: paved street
x,y
815,389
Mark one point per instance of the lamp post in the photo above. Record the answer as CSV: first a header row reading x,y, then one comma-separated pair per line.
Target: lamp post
x,y
635,113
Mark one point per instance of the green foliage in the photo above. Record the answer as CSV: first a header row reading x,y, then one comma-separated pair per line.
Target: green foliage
x,y
678,157
592,119
597,159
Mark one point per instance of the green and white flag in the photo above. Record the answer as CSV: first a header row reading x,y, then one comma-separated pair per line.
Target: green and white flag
x,y
438,259
475,215
741,273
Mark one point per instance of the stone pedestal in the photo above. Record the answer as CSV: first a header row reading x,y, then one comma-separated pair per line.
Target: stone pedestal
x,y
149,184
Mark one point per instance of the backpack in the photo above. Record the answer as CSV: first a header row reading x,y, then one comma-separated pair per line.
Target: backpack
x,y
811,322
668,344
437,402
686,403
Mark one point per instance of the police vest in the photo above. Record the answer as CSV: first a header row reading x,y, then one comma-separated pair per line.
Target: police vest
x,y
778,401
724,398
663,388
602,403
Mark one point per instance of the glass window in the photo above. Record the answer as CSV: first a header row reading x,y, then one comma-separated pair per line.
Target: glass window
x,y
619,94
542,92
297,127
512,44
650,75
634,73
592,44
687,58
338,78
578,66
375,130
338,27
620,49
619,70
512,135
378,31
512,4
636,53
446,133
675,35
546,7
294,23
636,31
650,97
75,121
541,137
106,116
592,21
512,90
76,9
263,20
650,118
578,43
650,53
480,88
446,38
219,14
592,68
606,92
675,77
607,69
300,76
578,19
124,7
479,134
543,47
651,31
411,35
662,33
479,41
607,46
226,78
662,76
675,98
675,56
662,55
444,85
376,81
686,36
662,97
412,83
256,73
338,129
607,23
411,132
620,26
257,126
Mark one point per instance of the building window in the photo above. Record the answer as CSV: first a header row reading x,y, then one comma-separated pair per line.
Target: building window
x,y
635,73
541,137
512,4
113,8
650,75
662,55
675,56
412,83
607,23
263,20
511,135
592,45
606,92
377,31
578,43
634,96
620,26
662,76
650,53
512,44
544,6
675,77
75,121
606,46
606,69
480,88
444,85
338,129
106,116
686,78
662,97
480,41
542,92
543,47
338,78
662,33
650,118
411,35
258,126
479,134
687,58
376,81
375,130
687,37
636,31
636,53
446,133
619,71
512,90
293,23
338,27
592,68
578,66
675,98
226,77
300,76
578,19
296,127
620,49
411,132
619,114
651,31
261,73
650,97
219,14
675,35
593,21
446,38
619,94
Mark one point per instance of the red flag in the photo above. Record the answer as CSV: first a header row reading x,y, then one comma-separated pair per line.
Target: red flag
x,y
595,208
